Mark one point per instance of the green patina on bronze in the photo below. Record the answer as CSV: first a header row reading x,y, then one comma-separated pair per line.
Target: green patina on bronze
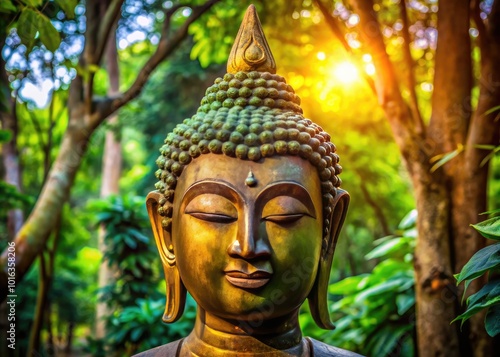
x,y
249,116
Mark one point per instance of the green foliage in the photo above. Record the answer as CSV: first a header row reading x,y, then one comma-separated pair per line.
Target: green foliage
x,y
68,7
129,249
485,261
140,324
5,136
32,21
134,297
12,198
375,313
71,298
6,6
34,24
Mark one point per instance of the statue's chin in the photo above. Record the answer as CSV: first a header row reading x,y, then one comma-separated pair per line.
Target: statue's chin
x,y
257,313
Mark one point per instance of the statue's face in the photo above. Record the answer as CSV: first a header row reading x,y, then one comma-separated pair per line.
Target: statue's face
x,y
248,252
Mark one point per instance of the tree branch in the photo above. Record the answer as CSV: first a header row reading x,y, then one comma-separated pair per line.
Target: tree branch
x,y
379,213
386,84
451,99
410,68
481,28
38,129
409,140
165,32
107,23
104,108
333,24
484,128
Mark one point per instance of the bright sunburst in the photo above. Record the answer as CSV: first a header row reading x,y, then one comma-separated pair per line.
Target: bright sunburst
x,y
346,72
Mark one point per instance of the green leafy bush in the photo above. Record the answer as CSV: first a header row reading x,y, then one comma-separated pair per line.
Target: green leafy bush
x,y
136,297
375,315
485,261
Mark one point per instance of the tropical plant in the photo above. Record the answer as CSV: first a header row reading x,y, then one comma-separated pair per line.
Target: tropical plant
x,y
375,315
485,261
135,296
141,324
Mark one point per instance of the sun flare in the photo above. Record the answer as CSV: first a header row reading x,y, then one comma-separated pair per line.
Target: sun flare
x,y
346,72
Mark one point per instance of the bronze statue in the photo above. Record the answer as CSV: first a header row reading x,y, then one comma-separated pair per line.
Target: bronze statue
x,y
247,213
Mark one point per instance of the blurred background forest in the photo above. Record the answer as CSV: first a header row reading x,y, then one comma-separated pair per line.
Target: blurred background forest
x,y
91,88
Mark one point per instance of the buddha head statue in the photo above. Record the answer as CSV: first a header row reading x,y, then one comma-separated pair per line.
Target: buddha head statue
x,y
248,207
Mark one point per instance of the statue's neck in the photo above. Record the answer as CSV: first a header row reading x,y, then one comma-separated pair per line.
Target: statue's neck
x,y
214,336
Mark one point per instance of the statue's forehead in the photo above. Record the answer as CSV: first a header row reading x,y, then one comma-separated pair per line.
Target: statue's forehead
x,y
236,171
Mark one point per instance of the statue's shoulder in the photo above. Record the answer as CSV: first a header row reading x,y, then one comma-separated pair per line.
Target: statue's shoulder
x,y
323,350
168,350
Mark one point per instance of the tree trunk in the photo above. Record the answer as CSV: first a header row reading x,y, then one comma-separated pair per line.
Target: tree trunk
x,y
46,275
69,339
451,198
10,152
36,327
111,172
51,350
434,283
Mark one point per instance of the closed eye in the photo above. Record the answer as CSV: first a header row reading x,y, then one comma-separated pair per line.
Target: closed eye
x,y
284,218
213,217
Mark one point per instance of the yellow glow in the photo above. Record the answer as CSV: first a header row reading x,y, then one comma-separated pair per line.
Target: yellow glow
x,y
321,56
346,72
367,58
370,69
353,20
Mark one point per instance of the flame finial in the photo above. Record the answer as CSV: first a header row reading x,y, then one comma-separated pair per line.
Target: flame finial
x,y
250,50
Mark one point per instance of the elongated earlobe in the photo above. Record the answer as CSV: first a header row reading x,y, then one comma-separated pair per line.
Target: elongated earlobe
x,y
175,289
318,297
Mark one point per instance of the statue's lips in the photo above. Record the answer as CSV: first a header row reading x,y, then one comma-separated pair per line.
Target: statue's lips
x,y
244,280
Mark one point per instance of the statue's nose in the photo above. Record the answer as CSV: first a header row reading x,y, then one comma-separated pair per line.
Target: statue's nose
x,y
251,241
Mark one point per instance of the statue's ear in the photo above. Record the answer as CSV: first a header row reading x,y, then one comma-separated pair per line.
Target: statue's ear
x,y
318,297
175,290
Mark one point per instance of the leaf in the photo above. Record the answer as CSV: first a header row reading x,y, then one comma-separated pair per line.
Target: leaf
x,y
404,303
480,262
34,3
492,320
130,242
7,6
49,36
446,157
491,212
68,7
487,296
138,235
346,286
27,27
391,285
489,156
492,110
485,147
387,339
391,246
409,221
136,333
489,228
5,136
489,291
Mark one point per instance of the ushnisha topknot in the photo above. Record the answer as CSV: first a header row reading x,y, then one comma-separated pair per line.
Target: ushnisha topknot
x,y
248,115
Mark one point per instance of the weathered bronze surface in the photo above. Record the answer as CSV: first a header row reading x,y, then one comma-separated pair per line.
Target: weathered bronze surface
x,y
247,213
